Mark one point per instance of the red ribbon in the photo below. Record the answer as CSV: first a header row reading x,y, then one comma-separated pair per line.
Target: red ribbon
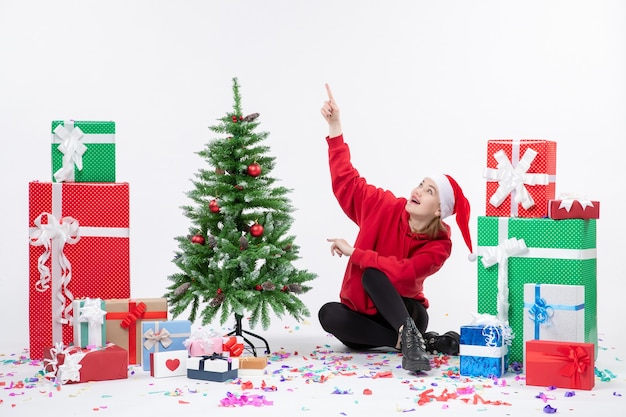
x,y
231,346
136,311
134,315
577,361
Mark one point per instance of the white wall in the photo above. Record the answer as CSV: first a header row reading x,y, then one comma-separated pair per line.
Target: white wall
x,y
422,86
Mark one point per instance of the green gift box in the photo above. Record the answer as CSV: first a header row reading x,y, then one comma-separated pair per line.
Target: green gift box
x,y
559,252
83,151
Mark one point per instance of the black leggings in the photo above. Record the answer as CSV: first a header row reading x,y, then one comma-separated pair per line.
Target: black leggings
x,y
360,331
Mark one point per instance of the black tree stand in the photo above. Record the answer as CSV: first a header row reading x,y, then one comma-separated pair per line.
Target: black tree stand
x,y
239,331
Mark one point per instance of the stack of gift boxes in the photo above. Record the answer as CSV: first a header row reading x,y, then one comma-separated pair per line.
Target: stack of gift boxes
x,y
82,320
536,273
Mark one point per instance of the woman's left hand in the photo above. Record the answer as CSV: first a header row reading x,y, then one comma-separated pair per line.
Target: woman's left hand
x,y
340,247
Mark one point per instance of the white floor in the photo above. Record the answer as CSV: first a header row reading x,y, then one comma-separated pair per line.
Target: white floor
x,y
310,373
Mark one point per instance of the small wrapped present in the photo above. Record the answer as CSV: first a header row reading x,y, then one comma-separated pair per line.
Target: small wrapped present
x,y
203,342
521,177
83,151
165,336
168,363
73,364
252,365
560,364
89,323
124,318
573,208
554,312
232,345
216,368
483,351
79,248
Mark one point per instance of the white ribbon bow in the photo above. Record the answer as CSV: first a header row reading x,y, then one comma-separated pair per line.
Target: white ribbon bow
x,y
72,148
65,231
513,179
493,327
567,200
91,312
70,369
500,255
153,338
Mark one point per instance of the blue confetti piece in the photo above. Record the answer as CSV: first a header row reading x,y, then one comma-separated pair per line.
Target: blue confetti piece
x,y
549,409
569,393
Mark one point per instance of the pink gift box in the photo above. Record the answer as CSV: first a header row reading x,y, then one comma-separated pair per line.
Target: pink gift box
x,y
521,176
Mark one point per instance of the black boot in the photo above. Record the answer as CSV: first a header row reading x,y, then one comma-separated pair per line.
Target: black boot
x,y
447,343
414,357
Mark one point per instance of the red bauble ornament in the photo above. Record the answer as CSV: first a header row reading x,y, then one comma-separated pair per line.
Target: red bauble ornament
x,y
254,170
258,287
239,187
256,230
234,118
198,239
213,206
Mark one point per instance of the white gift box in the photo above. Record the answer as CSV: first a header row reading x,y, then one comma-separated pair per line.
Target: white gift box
x,y
168,363
554,312
212,368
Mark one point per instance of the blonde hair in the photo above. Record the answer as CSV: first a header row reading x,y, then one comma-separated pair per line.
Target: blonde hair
x,y
435,228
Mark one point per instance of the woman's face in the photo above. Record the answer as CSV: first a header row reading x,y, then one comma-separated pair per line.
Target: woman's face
x,y
424,200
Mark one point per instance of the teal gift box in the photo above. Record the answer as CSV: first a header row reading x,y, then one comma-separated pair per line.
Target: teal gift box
x,y
482,351
163,336
89,322
557,252
83,151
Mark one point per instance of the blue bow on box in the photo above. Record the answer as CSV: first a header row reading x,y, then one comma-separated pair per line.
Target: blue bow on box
x,y
554,312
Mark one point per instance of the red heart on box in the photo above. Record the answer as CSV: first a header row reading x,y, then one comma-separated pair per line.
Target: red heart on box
x,y
172,364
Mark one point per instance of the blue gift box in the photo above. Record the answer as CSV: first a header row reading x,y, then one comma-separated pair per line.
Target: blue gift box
x,y
163,336
482,351
215,368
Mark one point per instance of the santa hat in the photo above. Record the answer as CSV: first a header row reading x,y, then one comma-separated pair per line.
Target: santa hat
x,y
452,201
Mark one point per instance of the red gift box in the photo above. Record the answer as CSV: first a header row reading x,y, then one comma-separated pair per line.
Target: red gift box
x,y
572,208
521,177
560,364
73,364
79,248
124,318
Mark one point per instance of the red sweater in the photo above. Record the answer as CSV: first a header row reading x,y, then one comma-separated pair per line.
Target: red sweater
x,y
385,240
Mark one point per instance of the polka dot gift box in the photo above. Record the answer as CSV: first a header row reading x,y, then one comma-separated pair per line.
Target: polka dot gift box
x,y
521,177
83,151
560,252
79,248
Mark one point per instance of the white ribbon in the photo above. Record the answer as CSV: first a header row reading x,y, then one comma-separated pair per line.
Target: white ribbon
x,y
493,327
500,255
152,338
567,200
512,177
53,235
70,369
72,149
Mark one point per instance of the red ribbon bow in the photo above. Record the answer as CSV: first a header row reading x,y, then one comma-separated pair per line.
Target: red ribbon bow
x,y
134,315
577,361
231,345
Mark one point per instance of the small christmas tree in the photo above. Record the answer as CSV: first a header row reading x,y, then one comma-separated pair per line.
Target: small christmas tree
x,y
238,256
